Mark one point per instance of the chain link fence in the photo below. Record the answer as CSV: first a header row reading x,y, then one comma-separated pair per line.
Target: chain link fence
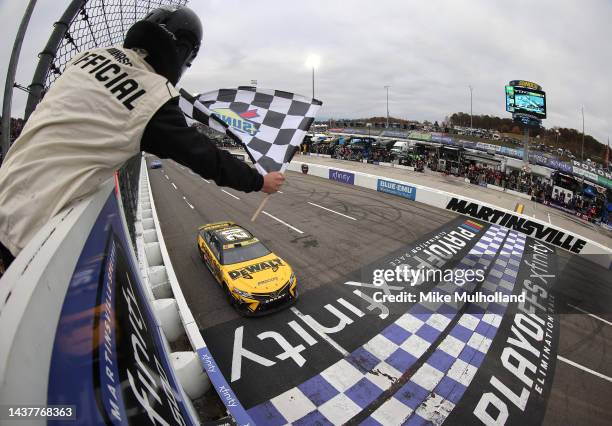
x,y
100,23
84,25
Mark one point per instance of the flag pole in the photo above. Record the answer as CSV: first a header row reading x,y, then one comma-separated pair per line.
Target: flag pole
x,y
260,208
265,200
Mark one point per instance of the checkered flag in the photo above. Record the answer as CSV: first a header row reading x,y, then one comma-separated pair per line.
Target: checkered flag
x,y
195,111
271,124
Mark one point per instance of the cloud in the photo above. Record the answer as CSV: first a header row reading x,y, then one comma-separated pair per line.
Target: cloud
x,y
429,52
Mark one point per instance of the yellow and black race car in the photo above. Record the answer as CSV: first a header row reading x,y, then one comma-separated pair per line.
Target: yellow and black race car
x,y
255,280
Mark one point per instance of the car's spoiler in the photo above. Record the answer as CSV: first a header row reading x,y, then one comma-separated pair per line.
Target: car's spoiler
x,y
216,225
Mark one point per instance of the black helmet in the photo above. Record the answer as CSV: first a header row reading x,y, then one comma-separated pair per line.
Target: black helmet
x,y
171,35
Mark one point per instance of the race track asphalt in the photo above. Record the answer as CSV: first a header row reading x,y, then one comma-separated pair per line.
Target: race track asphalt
x,y
331,232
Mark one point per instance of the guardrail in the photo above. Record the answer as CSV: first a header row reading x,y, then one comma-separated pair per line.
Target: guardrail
x,y
532,227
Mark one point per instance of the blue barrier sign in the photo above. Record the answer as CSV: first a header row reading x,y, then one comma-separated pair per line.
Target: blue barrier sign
x,y
224,391
341,176
395,188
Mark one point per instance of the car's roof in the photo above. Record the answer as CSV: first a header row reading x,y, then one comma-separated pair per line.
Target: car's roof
x,y
229,234
233,234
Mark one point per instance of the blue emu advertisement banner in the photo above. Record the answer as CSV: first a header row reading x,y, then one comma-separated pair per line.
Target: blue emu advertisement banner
x,y
396,188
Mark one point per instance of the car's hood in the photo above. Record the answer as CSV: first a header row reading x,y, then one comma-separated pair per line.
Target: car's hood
x,y
262,275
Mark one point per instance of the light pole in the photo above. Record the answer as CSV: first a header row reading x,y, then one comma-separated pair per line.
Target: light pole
x,y
313,62
387,87
313,82
471,125
582,152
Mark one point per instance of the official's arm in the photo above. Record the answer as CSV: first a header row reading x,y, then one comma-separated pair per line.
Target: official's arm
x,y
167,135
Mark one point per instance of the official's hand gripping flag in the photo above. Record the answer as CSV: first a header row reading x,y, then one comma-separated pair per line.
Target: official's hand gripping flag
x,y
271,124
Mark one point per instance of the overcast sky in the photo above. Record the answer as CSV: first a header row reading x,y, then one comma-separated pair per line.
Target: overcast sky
x,y
428,52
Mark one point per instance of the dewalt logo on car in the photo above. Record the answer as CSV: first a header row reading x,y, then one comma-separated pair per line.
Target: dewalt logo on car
x,y
248,271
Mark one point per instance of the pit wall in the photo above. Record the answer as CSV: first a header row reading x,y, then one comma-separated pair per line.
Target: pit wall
x,y
532,227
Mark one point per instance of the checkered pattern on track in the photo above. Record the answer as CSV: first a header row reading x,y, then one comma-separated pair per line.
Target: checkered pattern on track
x,y
438,385
347,387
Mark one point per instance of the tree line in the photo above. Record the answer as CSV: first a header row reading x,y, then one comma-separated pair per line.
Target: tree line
x,y
558,137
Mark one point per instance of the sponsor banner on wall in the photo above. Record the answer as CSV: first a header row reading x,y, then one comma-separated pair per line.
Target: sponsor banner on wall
x,y
440,138
585,174
542,160
511,152
421,136
594,175
588,167
604,181
394,134
469,144
342,176
560,165
485,146
528,227
108,355
395,188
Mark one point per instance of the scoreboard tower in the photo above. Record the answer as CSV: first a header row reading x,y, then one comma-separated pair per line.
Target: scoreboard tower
x,y
527,103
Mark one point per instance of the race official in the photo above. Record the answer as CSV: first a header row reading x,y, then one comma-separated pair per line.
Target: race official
x,y
107,106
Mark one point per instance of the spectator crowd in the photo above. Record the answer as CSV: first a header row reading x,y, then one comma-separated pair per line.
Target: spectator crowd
x,y
582,199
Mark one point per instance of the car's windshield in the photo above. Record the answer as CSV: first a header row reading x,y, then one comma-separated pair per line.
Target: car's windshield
x,y
244,253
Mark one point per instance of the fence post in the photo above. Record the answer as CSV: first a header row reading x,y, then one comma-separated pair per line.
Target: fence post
x,y
10,79
48,55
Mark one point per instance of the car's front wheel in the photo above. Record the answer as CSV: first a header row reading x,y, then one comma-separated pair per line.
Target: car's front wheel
x,y
228,294
200,252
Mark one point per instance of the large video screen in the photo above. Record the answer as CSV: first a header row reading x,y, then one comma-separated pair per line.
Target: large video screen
x,y
526,101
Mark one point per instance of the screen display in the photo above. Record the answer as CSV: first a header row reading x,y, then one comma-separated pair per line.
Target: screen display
x,y
510,98
526,101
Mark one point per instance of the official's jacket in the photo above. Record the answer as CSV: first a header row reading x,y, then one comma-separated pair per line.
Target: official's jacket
x,y
89,123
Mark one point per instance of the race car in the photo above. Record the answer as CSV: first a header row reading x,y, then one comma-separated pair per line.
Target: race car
x,y
256,281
